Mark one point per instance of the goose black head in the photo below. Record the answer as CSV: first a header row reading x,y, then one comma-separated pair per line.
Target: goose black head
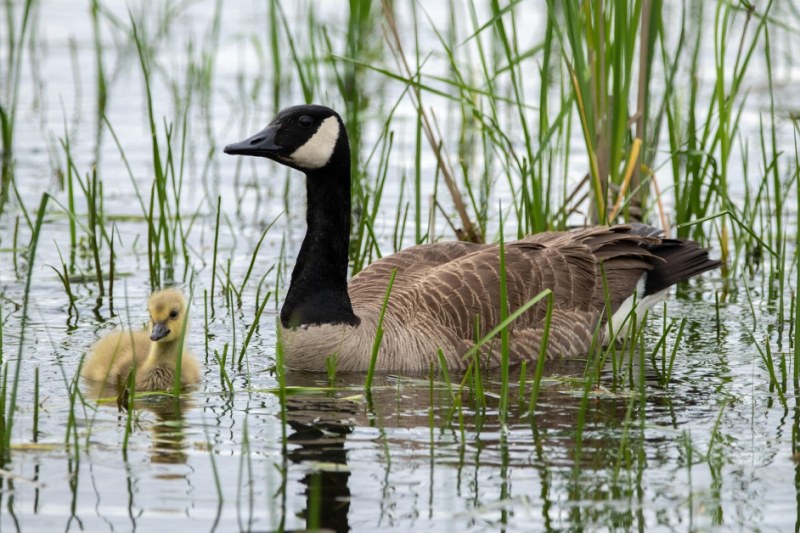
x,y
304,137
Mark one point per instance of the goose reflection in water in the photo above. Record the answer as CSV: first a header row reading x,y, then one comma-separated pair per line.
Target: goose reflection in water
x,y
336,483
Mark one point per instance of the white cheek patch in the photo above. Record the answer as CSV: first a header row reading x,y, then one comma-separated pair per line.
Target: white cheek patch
x,y
317,151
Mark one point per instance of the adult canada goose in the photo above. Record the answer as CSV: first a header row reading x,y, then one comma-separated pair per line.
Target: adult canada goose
x,y
442,291
155,350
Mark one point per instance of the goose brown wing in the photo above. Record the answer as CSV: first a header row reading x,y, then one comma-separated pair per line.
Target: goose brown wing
x,y
466,291
624,251
368,287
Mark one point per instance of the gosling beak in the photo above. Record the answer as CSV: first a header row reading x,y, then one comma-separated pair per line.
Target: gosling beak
x,y
160,330
261,144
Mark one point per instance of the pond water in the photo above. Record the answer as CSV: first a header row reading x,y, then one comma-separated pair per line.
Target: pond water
x,y
713,449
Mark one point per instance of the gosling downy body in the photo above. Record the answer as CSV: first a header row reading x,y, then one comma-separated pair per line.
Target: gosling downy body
x,y
154,351
445,295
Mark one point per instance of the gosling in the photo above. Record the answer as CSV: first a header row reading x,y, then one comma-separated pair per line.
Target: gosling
x,y
153,351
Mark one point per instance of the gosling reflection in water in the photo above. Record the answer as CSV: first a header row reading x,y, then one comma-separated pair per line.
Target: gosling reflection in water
x,y
167,430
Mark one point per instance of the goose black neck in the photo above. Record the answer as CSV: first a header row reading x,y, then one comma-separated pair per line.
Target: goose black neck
x,y
318,290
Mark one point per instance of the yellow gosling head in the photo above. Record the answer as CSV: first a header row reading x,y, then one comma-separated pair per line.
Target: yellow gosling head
x,y
167,309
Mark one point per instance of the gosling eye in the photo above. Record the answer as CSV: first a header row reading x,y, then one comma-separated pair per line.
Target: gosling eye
x,y
173,314
305,121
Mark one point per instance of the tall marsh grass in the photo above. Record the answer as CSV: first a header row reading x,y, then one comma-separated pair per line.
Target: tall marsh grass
x,y
18,22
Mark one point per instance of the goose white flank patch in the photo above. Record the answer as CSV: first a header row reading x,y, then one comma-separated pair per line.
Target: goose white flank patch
x,y
444,291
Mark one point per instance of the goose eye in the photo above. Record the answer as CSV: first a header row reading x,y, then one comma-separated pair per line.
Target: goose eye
x,y
173,313
305,121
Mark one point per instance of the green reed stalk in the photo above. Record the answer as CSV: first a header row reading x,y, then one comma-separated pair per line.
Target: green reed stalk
x,y
796,361
431,412
376,344
538,204
224,379
364,244
505,323
610,324
277,53
14,45
4,421
474,373
418,237
205,321
280,372
14,246
229,300
667,373
330,369
254,255
111,269
63,275
244,453
537,376
73,237
101,83
153,255
445,372
72,422
128,168
523,374
401,220
158,235
253,327
94,201
504,340
128,400
623,453
5,438
303,72
216,249
214,471
36,404
360,43
779,241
